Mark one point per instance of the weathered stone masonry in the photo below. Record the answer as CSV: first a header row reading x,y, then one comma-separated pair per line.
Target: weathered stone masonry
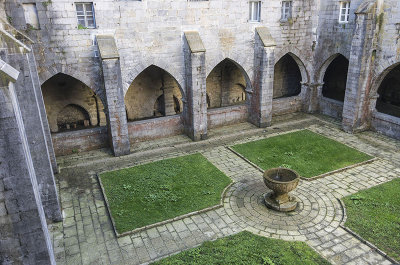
x,y
272,67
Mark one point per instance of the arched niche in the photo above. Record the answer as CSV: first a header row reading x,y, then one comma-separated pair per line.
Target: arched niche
x,y
335,78
66,93
226,85
287,77
388,101
153,93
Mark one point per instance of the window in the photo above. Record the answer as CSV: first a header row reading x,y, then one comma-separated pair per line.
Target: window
x,y
255,10
344,12
286,10
85,14
31,15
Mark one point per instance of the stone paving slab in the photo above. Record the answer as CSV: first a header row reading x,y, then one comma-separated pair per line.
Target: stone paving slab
x,y
86,235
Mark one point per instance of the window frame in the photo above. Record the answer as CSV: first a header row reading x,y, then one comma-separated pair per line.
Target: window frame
x,y
344,11
85,16
254,4
286,10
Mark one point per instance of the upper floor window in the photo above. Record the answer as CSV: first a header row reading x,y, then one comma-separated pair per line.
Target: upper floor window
x,y
344,12
286,10
85,14
255,11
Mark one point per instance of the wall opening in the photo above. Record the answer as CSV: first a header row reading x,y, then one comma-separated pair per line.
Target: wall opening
x,y
71,105
335,79
73,117
388,101
287,78
153,93
226,85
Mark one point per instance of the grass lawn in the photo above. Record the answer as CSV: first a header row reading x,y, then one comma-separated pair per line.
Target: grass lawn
x,y
374,214
162,190
308,153
247,248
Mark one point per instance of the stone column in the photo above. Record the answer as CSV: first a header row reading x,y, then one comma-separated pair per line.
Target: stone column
x,y
114,95
24,235
355,108
264,61
42,109
168,90
311,96
27,92
196,111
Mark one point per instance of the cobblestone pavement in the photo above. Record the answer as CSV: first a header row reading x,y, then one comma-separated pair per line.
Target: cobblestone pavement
x,y
86,236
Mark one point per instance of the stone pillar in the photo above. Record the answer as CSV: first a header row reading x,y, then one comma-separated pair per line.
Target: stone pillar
x,y
311,96
24,235
264,61
168,90
27,92
355,108
225,86
114,95
42,109
196,113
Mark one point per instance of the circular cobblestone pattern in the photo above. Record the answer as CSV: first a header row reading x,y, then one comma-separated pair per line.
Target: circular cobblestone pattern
x,y
317,212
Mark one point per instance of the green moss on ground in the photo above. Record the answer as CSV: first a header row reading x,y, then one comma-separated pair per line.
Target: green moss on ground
x,y
308,153
374,214
247,248
162,190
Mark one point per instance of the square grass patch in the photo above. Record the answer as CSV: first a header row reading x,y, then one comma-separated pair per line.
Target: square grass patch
x,y
247,248
308,153
162,190
374,214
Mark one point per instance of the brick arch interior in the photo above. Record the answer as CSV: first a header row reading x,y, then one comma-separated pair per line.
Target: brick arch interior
x,y
388,101
153,93
287,77
67,100
226,85
335,78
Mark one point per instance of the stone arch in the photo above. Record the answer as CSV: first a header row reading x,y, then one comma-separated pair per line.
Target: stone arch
x,y
387,91
319,74
305,78
238,61
61,90
287,77
133,74
333,76
146,89
225,84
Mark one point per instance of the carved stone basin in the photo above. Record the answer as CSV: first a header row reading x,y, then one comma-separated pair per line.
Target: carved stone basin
x,y
281,181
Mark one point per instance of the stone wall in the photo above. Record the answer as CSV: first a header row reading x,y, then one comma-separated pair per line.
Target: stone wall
x,y
155,128
66,143
227,115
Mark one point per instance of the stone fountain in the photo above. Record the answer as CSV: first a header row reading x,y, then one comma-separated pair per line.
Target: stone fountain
x,y
281,181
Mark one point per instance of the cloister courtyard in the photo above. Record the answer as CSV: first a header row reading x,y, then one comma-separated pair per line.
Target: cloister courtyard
x,y
87,235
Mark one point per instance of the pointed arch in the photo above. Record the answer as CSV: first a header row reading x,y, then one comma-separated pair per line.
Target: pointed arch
x,y
300,63
145,91
141,68
333,76
227,84
61,90
319,75
287,76
388,91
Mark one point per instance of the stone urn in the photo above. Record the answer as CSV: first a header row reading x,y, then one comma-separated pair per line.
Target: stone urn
x,y
281,181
